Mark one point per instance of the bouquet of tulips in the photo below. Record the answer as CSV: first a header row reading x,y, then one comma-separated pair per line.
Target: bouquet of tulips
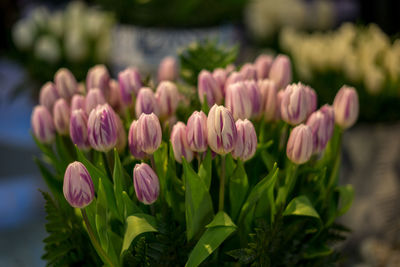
x,y
142,178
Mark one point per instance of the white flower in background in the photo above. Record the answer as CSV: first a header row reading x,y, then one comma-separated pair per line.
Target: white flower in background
x,y
76,45
324,15
56,24
103,47
374,80
39,16
23,34
95,23
47,49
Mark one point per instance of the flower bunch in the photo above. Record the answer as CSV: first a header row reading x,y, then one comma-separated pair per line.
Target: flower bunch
x,y
260,150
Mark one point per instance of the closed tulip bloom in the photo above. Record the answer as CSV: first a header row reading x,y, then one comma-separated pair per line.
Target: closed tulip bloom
x,y
65,83
115,98
129,82
168,98
146,183
256,101
268,98
149,132
279,98
197,131
318,123
246,143
208,86
281,71
180,144
230,68
168,69
300,144
220,75
78,185
234,77
146,102
221,130
98,77
94,98
263,65
249,72
311,100
78,129
78,102
102,128
346,107
121,134
239,101
330,117
133,142
61,114
48,95
42,125
295,99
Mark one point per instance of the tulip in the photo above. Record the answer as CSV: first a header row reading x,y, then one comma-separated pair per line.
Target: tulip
x,y
330,117
268,98
318,123
346,107
168,70
197,131
256,101
129,83
281,72
133,142
300,144
180,144
294,107
94,98
279,98
230,68
42,125
147,186
102,128
98,77
221,130
249,72
78,185
311,100
246,143
239,101
61,116
65,83
168,97
234,77
149,132
48,95
146,102
121,134
78,102
208,86
78,129
115,99
220,75
263,65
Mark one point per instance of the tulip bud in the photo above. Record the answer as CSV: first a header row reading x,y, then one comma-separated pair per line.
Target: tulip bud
x,y
98,77
147,186
318,123
78,102
279,98
168,70
133,141
263,65
168,97
121,134
42,125
78,185
249,72
246,143
346,107
300,144
234,77
327,110
146,102
149,132
129,83
255,96
294,107
94,98
65,83
48,95
281,72
61,116
209,87
102,128
311,100
238,101
230,68
221,130
180,144
268,98
220,75
115,99
197,131
78,129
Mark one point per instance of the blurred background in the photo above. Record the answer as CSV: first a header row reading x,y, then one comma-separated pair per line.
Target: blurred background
x,y
330,42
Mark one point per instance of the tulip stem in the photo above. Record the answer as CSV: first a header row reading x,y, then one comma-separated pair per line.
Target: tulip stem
x,y
222,185
95,243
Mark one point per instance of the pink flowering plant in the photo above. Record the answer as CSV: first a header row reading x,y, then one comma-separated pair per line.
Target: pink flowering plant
x,y
245,172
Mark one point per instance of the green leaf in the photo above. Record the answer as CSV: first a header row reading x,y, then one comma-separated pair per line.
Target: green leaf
x,y
62,151
230,166
204,107
137,224
198,204
217,231
238,186
317,251
301,206
346,196
161,161
101,216
118,176
205,170
129,206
